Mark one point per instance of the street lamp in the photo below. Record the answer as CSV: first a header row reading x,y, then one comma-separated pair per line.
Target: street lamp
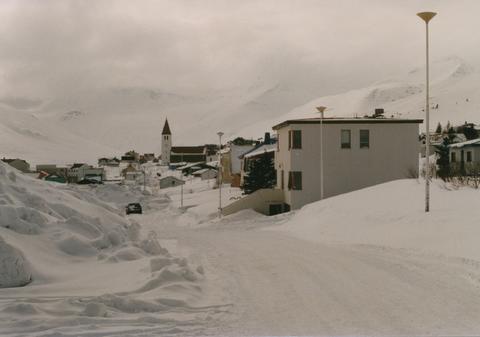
x,y
427,16
321,109
219,174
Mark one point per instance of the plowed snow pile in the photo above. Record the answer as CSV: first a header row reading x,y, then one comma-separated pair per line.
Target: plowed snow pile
x,y
392,215
67,257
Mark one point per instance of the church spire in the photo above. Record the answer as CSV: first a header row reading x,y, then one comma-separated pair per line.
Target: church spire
x,y
166,128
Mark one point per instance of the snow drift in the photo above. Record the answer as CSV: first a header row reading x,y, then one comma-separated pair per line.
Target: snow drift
x,y
14,271
392,215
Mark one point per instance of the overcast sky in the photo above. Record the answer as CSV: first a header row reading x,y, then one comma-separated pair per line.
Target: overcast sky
x,y
54,48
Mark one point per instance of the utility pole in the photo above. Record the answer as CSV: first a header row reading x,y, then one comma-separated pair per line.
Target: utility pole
x,y
321,110
427,16
219,174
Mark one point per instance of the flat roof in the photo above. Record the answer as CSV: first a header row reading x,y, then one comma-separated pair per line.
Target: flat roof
x,y
348,120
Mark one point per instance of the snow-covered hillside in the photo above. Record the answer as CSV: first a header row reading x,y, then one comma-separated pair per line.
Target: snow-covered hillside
x,y
455,97
110,121
39,141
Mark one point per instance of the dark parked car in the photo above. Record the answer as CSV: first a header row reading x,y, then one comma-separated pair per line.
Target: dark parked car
x,y
134,208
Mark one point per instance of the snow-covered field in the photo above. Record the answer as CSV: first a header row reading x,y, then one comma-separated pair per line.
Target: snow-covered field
x,y
370,262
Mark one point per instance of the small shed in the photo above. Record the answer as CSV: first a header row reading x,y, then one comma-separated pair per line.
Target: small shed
x,y
206,173
170,181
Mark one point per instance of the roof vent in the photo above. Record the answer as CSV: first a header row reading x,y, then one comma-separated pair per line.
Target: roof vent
x,y
378,113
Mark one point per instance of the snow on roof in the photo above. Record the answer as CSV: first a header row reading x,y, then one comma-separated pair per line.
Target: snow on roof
x,y
473,142
189,166
262,149
203,171
170,178
345,120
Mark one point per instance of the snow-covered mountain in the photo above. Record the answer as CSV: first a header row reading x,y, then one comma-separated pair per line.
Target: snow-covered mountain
x,y
109,121
454,96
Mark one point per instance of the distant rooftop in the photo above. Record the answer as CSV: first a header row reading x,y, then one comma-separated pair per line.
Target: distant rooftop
x,y
346,120
473,142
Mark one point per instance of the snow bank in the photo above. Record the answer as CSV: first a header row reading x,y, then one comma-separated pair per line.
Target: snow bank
x,y
70,223
392,215
14,270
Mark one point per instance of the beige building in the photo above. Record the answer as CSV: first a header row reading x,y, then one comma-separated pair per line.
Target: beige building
x,y
232,164
357,153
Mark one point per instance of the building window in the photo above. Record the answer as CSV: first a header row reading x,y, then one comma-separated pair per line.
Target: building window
x,y
346,141
469,156
453,157
364,139
282,179
295,180
294,139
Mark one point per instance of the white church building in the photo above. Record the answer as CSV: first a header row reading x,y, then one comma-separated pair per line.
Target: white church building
x,y
182,154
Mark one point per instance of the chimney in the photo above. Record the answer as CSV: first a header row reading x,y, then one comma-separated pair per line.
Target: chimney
x,y
378,112
267,139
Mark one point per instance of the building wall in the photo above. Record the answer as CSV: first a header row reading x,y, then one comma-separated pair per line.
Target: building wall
x,y
393,154
170,182
166,148
470,167
259,201
187,157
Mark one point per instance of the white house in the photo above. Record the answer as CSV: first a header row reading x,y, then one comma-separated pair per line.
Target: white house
x,y
466,154
357,153
80,171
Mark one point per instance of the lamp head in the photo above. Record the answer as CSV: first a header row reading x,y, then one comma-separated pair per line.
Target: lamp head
x,y
321,108
220,134
426,16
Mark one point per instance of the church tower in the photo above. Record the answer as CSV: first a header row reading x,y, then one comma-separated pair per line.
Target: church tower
x,y
166,143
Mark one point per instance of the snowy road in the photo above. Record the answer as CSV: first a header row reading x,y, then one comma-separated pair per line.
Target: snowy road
x,y
244,274
279,285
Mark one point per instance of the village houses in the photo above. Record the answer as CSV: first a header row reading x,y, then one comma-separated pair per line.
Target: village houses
x,y
357,153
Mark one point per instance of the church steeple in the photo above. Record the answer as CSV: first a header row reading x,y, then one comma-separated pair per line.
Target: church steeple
x,y
166,128
166,143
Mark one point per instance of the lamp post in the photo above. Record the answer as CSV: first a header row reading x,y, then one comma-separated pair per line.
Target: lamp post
x,y
220,134
321,110
427,16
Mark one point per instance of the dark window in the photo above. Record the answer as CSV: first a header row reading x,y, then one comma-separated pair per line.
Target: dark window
x,y
282,179
295,139
295,180
469,156
346,141
453,157
364,139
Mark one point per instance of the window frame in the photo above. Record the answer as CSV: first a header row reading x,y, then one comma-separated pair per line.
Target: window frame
x,y
349,144
469,156
293,183
453,157
292,145
364,145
